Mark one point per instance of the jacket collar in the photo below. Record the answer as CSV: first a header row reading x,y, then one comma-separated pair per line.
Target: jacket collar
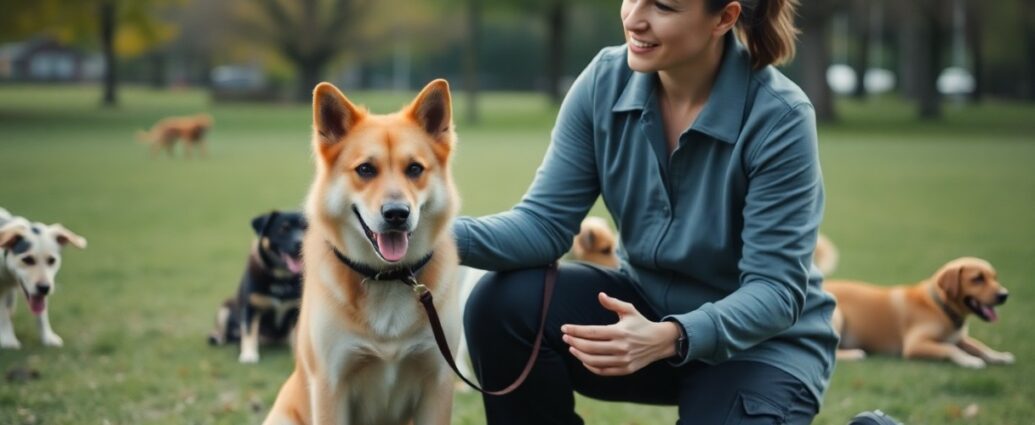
x,y
723,113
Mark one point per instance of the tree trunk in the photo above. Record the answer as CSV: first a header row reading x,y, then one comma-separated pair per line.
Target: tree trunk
x,y
106,13
815,59
929,62
860,24
309,75
1028,11
558,27
908,48
474,19
975,29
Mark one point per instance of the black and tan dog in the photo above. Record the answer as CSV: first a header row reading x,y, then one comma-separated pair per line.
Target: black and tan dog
x,y
267,302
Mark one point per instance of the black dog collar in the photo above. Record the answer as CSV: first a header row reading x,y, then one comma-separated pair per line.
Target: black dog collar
x,y
956,319
402,272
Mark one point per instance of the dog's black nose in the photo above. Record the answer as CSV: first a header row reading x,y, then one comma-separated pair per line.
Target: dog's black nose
x,y
1001,298
43,288
395,213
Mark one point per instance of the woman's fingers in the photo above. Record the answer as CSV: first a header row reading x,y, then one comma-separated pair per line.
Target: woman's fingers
x,y
594,347
598,333
599,361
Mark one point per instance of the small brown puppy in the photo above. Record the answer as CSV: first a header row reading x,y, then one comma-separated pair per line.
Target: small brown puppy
x,y
826,255
596,243
921,321
166,132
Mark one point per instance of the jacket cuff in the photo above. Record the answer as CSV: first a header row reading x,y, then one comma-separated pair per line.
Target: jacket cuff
x,y
462,238
700,334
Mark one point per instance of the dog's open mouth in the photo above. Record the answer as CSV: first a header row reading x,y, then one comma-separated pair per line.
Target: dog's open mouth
x,y
985,312
391,245
37,303
294,265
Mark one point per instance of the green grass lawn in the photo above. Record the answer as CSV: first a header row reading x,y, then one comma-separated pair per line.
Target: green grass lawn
x,y
168,239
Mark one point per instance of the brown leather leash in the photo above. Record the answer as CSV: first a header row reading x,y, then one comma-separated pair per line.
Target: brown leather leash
x,y
408,276
443,346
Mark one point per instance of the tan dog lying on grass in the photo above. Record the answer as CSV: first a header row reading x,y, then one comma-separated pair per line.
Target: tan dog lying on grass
x,y
168,131
921,321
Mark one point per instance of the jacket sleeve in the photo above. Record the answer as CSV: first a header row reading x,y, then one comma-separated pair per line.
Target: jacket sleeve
x,y
782,213
540,228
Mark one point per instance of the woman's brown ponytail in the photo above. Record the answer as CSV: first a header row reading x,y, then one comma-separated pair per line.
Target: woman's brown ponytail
x,y
767,27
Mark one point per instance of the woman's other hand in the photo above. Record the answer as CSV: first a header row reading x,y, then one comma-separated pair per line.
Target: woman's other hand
x,y
624,347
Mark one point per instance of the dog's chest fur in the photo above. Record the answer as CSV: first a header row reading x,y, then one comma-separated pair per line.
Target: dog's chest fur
x,y
386,370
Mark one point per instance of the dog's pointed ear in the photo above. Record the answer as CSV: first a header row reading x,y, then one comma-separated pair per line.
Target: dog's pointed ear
x,y
432,109
333,117
64,236
261,223
949,280
589,239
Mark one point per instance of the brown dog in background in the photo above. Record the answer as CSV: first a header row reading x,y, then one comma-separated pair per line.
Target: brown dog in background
x,y
921,321
596,243
167,131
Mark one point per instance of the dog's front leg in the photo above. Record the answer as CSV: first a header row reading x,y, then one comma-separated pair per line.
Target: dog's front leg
x,y
327,407
249,334
978,348
7,338
923,348
436,404
47,334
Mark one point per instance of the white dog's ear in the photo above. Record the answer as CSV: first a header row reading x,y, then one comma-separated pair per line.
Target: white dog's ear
x,y
949,281
11,234
65,236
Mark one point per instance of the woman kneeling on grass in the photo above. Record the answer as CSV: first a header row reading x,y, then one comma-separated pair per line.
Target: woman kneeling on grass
x,y
706,158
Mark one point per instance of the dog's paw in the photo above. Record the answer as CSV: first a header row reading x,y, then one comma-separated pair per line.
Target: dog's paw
x,y
248,357
11,344
1001,358
969,361
52,340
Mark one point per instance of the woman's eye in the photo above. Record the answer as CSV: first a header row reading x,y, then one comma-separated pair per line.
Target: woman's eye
x,y
414,170
663,7
366,170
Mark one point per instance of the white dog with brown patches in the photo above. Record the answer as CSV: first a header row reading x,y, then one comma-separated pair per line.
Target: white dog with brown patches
x,y
382,201
31,258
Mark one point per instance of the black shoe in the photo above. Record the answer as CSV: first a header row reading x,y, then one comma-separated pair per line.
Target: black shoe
x,y
875,417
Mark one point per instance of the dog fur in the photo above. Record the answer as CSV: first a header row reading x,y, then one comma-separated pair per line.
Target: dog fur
x,y
596,243
365,353
31,258
189,130
909,321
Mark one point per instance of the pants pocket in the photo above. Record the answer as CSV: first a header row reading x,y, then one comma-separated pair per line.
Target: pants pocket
x,y
754,409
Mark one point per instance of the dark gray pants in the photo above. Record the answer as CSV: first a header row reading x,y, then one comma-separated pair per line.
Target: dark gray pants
x,y
502,317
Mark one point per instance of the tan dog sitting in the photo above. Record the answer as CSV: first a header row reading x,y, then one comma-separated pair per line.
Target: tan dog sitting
x,y
596,243
167,131
921,321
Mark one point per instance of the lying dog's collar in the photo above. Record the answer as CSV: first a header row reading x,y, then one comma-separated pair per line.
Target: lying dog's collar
x,y
955,317
402,272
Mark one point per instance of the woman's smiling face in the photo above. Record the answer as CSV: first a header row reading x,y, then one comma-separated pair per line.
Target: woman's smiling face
x,y
667,34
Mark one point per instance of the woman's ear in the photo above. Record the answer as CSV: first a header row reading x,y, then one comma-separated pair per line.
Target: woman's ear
x,y
728,17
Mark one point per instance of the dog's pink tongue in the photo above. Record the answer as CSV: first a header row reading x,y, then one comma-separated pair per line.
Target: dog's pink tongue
x,y
37,303
294,266
990,313
393,245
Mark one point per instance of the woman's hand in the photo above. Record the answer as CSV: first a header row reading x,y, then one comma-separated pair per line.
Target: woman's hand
x,y
624,347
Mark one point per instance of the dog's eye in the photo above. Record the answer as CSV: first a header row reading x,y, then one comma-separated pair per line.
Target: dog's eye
x,y
979,279
29,261
414,170
51,261
606,250
366,170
